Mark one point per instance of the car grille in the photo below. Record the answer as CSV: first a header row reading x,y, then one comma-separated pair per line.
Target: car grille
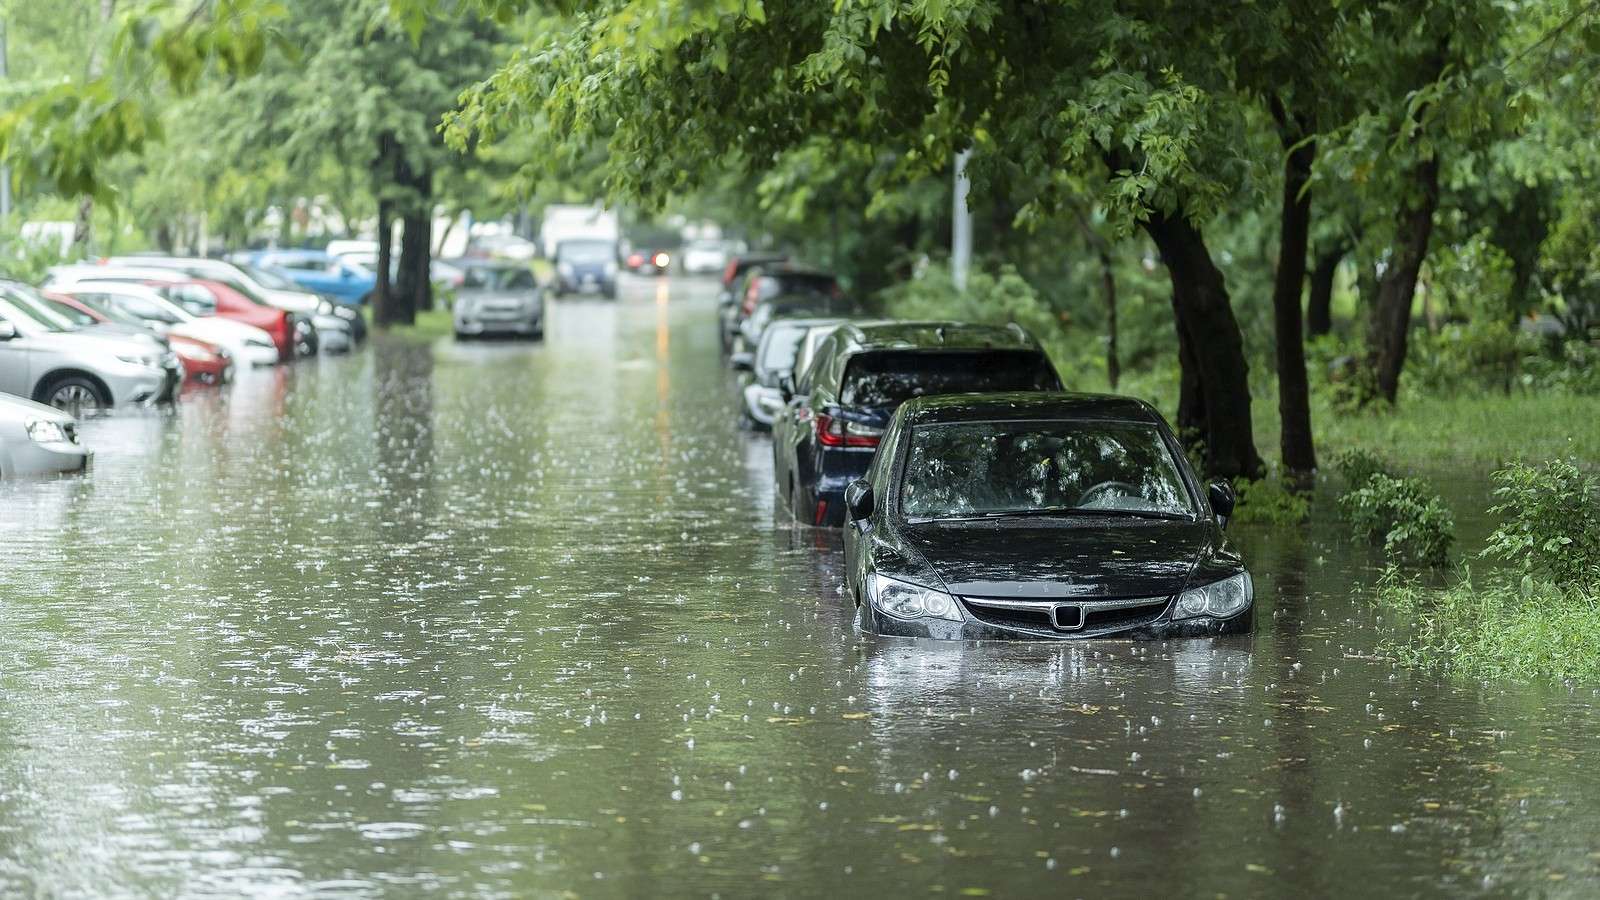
x,y
1040,617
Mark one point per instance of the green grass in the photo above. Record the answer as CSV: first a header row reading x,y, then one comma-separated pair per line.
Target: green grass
x,y
429,325
1527,630
1480,430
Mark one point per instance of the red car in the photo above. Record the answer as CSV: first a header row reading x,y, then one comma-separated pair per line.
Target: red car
x,y
203,362
204,298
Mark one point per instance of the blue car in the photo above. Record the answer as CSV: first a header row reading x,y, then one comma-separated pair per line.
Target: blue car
x,y
335,278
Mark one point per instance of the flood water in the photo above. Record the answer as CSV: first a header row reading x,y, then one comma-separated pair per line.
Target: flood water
x,y
516,620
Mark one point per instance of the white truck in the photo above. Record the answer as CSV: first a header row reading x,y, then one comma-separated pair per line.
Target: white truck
x,y
566,222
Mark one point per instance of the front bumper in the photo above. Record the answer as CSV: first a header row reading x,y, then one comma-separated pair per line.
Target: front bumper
x,y
142,386
972,629
333,335
491,322
586,283
28,458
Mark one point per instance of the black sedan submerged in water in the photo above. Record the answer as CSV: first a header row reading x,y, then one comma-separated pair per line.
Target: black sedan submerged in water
x,y
1039,516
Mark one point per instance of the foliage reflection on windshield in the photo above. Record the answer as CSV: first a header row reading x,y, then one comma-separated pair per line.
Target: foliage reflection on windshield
x,y
987,468
889,378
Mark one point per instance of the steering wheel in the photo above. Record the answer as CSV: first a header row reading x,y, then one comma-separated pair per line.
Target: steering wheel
x,y
1093,495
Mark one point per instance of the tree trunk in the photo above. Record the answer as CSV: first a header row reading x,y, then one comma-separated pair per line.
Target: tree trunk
x,y
1210,348
1319,302
383,300
1108,285
1294,398
414,282
1391,312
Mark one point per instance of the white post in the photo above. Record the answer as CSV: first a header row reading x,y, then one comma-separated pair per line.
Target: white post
x,y
961,224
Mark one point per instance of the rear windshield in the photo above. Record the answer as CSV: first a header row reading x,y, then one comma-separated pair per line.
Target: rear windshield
x,y
891,377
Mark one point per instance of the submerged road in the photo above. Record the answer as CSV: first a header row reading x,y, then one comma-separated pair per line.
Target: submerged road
x,y
519,620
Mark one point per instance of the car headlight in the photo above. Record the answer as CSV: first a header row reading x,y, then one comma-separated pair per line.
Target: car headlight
x,y
44,431
911,601
149,362
1219,599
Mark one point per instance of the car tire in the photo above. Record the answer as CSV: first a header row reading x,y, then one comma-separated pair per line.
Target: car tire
x,y
76,394
796,507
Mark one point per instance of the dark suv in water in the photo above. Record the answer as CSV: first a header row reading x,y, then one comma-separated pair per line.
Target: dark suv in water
x,y
836,410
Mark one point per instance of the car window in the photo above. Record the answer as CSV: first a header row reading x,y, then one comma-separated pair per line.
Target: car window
x,y
1017,468
71,313
780,346
101,304
145,308
21,308
891,377
192,297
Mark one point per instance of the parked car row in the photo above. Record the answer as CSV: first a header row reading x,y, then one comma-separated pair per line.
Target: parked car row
x,y
135,331
978,499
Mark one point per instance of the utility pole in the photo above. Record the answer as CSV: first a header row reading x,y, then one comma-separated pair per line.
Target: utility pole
x,y
961,224
5,171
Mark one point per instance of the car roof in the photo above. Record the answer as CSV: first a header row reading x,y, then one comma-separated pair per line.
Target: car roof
x,y
1025,406
933,335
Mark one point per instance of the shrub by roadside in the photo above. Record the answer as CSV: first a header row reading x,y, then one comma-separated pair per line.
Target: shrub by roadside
x,y
1403,515
1540,618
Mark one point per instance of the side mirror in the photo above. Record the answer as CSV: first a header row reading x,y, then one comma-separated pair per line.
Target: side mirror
x,y
786,387
742,361
858,502
1222,498
8,331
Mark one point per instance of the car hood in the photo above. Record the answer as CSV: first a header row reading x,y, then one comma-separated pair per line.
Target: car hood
x,y
1063,558
293,301
525,297
14,407
88,341
218,330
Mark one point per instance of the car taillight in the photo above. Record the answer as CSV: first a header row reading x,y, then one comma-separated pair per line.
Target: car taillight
x,y
730,273
835,432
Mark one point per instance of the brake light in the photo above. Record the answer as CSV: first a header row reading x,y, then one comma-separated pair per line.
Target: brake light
x,y
835,432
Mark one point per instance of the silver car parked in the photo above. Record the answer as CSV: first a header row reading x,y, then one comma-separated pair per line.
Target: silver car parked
x,y
38,440
44,358
498,298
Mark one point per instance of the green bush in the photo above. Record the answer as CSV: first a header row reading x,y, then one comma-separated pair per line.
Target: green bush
x,y
1269,501
1356,466
1551,527
1404,516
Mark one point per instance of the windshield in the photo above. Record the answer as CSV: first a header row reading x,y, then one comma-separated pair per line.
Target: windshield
x,y
891,377
72,314
586,251
101,305
151,309
272,281
497,278
19,306
975,469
